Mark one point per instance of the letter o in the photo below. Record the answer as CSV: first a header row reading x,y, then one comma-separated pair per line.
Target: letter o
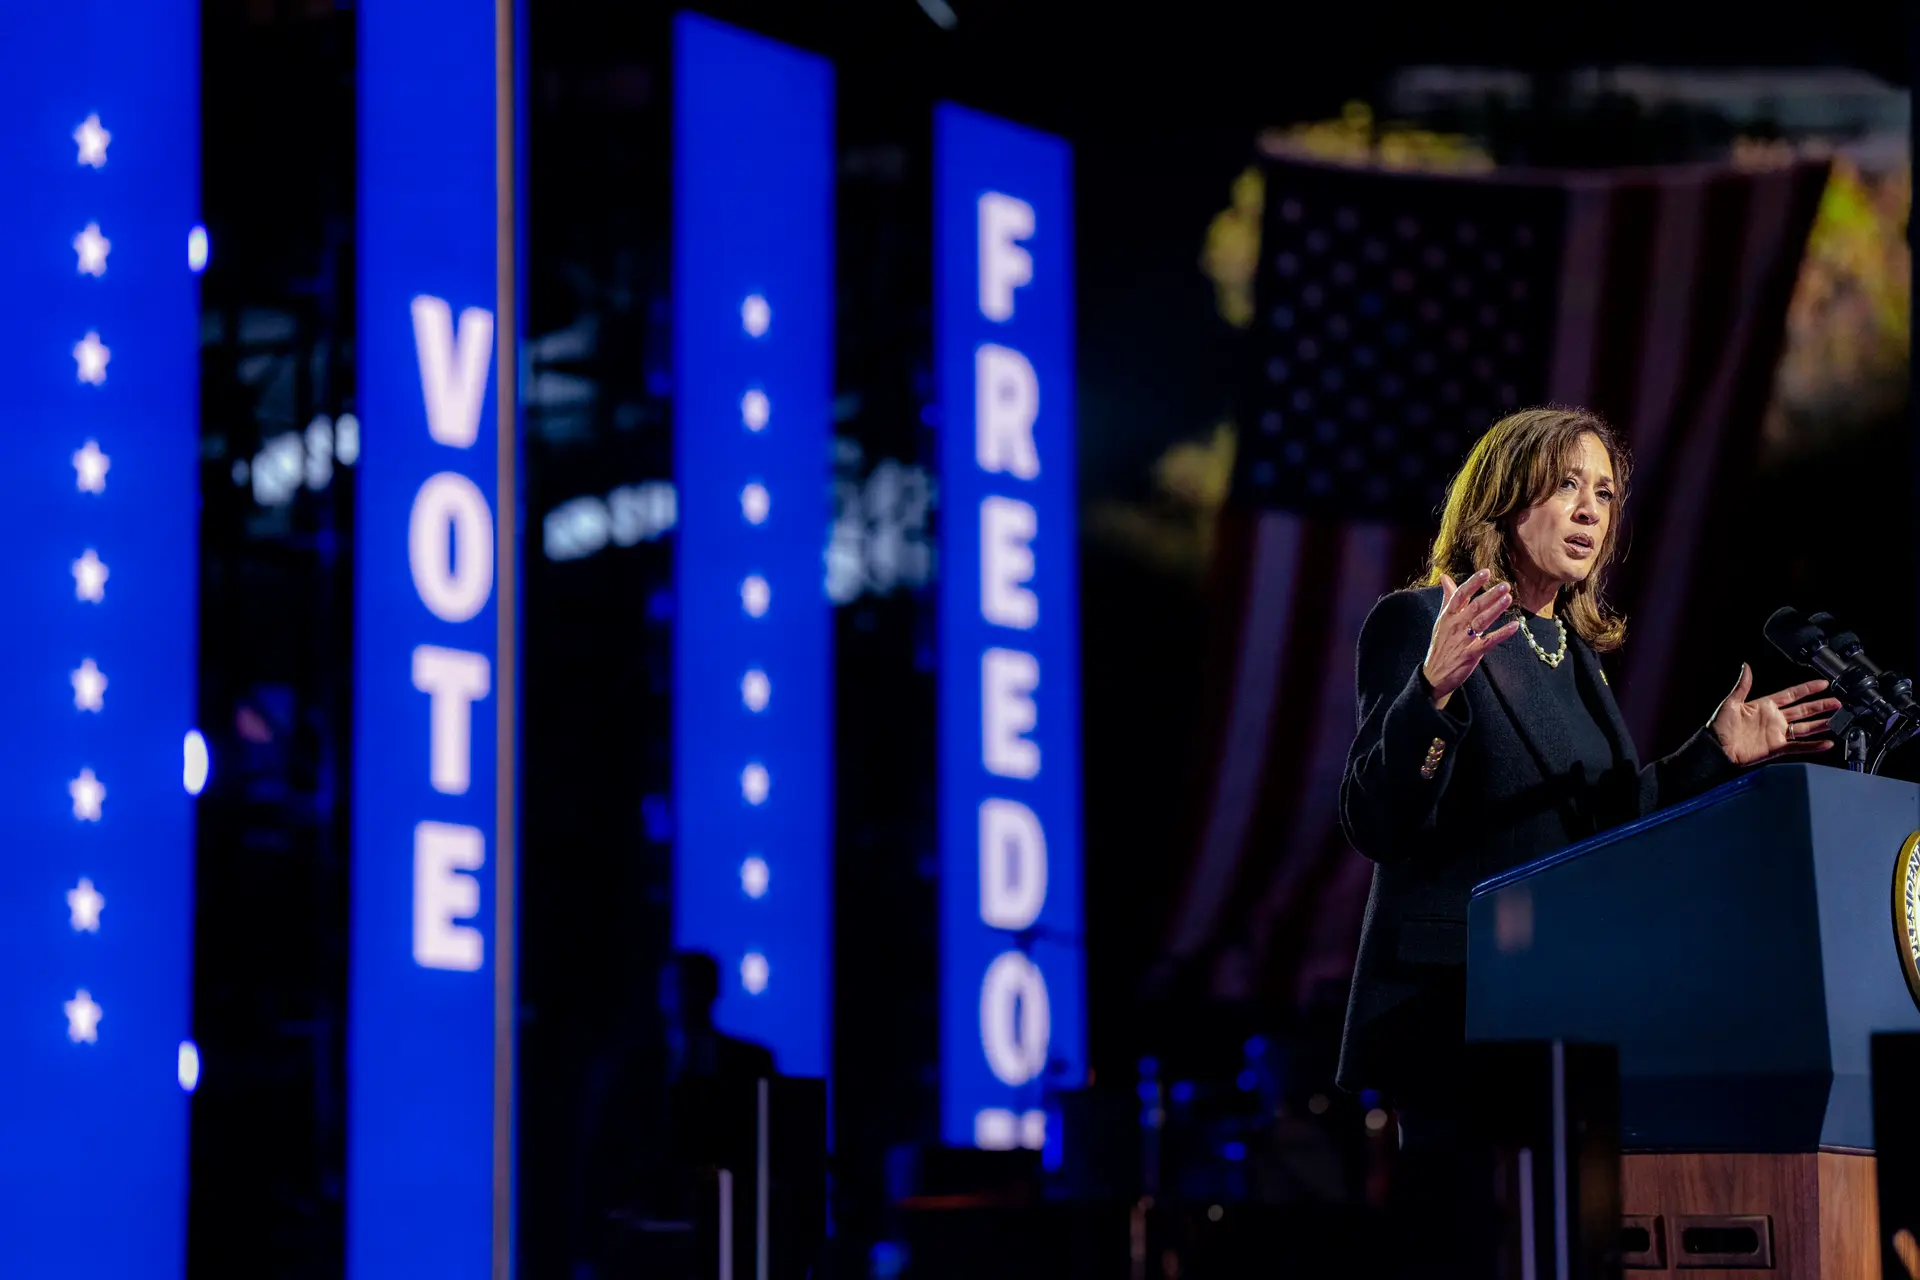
x,y
1015,989
450,547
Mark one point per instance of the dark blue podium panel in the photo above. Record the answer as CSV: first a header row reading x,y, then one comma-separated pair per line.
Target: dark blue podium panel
x,y
1739,949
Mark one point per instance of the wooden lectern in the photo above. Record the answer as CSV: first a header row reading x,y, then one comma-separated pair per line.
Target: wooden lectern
x,y
1740,950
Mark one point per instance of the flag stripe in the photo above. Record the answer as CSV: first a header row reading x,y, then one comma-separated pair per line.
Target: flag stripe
x,y
1770,220
1271,571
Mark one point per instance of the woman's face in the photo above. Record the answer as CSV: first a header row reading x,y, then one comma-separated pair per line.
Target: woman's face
x,y
1559,538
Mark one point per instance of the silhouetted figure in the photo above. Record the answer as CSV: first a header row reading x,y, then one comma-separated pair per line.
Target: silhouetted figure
x,y
696,1049
672,1096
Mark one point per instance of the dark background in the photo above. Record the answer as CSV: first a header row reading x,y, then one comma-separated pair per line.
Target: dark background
x,y
1162,106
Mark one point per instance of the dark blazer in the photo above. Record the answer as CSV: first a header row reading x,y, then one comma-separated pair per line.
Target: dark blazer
x,y
1440,800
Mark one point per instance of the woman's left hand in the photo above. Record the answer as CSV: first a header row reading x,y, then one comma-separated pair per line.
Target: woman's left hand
x,y
1773,727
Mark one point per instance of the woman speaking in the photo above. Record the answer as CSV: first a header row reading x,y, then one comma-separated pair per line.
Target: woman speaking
x,y
1488,736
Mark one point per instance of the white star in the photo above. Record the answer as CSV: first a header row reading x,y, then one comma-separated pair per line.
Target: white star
x,y
754,877
83,1018
90,468
755,595
755,409
89,687
754,502
755,315
755,689
753,972
85,902
91,355
92,248
89,578
754,783
88,794
93,142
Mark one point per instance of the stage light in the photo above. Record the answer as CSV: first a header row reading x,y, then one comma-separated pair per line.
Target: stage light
x,y
755,315
197,250
197,763
189,1073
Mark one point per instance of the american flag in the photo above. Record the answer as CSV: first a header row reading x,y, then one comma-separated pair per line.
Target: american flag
x,y
1398,316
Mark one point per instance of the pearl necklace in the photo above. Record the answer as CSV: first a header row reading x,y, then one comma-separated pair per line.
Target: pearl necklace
x,y
1553,659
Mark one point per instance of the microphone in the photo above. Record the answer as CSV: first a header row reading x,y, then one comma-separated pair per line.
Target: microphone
x,y
1897,688
1802,641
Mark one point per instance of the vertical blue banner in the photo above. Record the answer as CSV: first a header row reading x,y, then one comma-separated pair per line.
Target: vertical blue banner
x,y
428,1136
1013,1006
753,370
99,521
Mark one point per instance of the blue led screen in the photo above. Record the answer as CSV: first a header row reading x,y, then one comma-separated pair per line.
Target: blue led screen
x,y
1011,955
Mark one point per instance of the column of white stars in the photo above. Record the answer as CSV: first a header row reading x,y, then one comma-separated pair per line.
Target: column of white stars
x,y
756,597
90,573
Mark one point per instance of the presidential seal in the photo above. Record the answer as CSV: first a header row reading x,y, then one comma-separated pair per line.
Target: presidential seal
x,y
1906,912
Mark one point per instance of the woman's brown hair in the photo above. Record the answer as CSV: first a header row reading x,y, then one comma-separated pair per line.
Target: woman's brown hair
x,y
1514,466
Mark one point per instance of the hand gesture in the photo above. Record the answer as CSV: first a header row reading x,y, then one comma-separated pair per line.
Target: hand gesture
x,y
1775,726
1460,635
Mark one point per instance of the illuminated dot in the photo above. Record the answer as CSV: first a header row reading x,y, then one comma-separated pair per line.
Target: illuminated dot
x,y
90,357
755,409
90,467
88,795
89,687
83,1018
93,142
1215,1213
189,1066
197,765
754,502
755,690
753,972
346,439
755,596
197,250
754,876
755,315
754,783
92,249
1376,1120
1318,1104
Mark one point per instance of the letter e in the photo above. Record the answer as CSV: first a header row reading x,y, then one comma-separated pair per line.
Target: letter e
x,y
444,892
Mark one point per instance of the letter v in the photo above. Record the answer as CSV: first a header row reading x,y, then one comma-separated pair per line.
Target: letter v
x,y
453,371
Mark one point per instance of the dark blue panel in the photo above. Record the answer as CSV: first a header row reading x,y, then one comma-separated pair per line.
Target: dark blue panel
x,y
1739,949
1012,963
98,464
753,365
426,781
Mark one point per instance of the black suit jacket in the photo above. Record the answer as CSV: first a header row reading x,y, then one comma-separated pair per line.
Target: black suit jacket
x,y
1440,800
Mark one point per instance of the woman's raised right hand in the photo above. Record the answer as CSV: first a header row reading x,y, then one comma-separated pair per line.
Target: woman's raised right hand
x,y
1460,635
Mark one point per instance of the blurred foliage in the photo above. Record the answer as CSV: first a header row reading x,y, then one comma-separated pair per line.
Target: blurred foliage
x,y
1357,139
1173,531
1843,368
1844,365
